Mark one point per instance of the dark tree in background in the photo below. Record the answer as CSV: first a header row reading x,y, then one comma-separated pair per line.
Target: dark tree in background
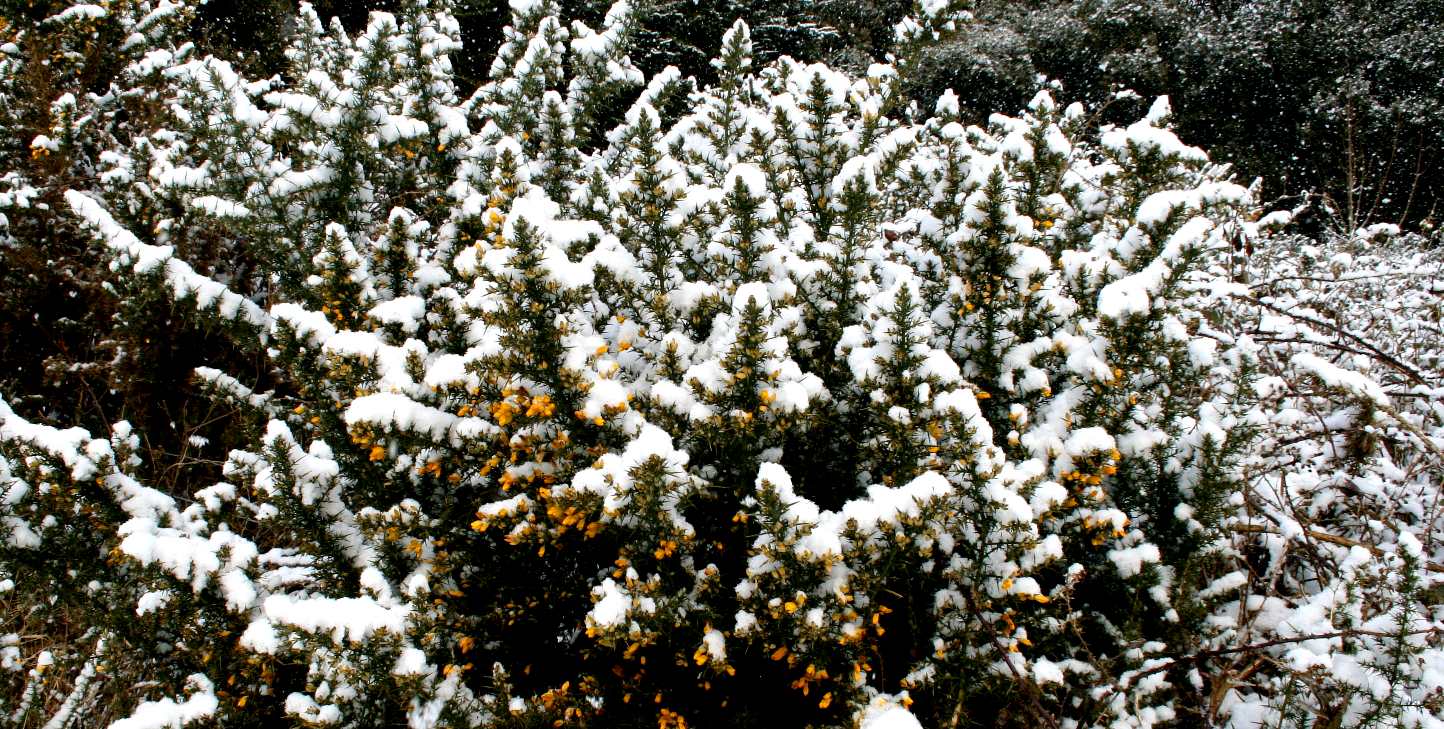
x,y
1345,99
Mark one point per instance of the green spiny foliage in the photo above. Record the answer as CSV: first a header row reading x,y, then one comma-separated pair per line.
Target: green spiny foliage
x,y
594,399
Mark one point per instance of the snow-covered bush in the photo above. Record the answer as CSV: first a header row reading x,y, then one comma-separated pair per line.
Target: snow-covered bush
x,y
74,84
598,399
1343,505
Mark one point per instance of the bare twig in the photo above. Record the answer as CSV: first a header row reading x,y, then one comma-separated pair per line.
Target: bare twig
x,y
1217,652
1383,356
1324,537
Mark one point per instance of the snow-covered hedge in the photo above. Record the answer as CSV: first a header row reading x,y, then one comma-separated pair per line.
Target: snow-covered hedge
x,y
597,399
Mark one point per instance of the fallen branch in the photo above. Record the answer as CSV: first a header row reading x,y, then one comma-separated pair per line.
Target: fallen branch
x,y
1128,679
1325,537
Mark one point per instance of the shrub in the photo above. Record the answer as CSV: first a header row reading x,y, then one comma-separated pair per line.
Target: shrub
x,y
595,399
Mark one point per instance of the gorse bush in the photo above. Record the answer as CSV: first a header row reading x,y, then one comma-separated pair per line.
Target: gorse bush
x,y
593,399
